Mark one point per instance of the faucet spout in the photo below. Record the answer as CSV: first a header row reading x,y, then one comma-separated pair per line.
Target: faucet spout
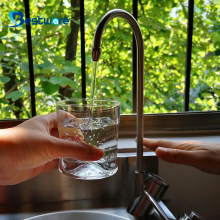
x,y
96,52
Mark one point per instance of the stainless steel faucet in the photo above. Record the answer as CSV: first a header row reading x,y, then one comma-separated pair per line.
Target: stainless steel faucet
x,y
96,52
148,191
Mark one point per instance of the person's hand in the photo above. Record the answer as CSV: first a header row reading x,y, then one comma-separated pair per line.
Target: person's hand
x,y
201,155
33,147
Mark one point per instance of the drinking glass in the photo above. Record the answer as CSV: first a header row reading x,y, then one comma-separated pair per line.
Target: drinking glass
x,y
94,122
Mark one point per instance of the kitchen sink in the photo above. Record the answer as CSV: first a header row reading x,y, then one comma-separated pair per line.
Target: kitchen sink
x,y
82,215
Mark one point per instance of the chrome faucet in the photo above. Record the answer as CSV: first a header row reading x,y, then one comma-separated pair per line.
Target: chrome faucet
x,y
96,52
149,188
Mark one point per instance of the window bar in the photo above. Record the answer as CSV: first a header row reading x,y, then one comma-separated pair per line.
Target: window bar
x,y
134,64
188,53
30,59
83,56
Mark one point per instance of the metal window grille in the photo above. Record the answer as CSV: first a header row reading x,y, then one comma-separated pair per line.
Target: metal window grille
x,y
83,61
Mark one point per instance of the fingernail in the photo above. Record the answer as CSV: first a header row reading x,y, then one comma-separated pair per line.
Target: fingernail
x,y
161,150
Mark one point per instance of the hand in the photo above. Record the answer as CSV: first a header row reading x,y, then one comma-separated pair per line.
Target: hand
x,y
34,147
201,155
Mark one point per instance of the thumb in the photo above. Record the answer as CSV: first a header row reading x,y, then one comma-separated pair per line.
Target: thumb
x,y
72,149
177,156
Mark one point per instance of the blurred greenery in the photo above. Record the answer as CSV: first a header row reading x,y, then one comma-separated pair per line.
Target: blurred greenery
x,y
57,57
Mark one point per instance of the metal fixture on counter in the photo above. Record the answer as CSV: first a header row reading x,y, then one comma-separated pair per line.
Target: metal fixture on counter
x,y
184,217
142,203
153,187
149,191
96,52
156,206
195,216
192,216
153,191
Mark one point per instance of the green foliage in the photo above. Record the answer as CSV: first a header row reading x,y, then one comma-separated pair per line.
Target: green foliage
x,y
4,79
15,95
164,28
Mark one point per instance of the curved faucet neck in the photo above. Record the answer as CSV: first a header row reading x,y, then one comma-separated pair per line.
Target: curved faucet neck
x,y
96,52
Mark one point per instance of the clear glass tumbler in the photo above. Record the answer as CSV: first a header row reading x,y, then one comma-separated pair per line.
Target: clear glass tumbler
x,y
95,123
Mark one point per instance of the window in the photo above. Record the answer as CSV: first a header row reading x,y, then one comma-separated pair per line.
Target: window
x,y
181,40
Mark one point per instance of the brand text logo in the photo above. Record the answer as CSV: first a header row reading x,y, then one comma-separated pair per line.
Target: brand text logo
x,y
17,18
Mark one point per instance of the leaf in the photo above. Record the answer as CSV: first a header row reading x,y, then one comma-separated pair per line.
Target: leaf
x,y
123,103
37,66
9,59
4,79
2,47
66,30
7,108
46,28
197,9
72,84
47,65
3,101
216,36
126,36
54,80
60,71
2,50
24,66
207,95
10,46
217,92
62,81
91,19
6,66
49,88
20,80
27,88
117,85
156,10
75,21
89,59
210,102
15,95
38,89
72,69
43,79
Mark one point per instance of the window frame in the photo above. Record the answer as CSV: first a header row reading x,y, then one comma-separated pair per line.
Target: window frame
x,y
163,125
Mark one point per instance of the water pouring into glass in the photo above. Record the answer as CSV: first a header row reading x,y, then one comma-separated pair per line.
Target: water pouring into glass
x,y
98,116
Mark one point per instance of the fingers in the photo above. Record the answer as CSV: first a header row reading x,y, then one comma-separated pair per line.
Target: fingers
x,y
51,119
72,149
154,144
179,156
